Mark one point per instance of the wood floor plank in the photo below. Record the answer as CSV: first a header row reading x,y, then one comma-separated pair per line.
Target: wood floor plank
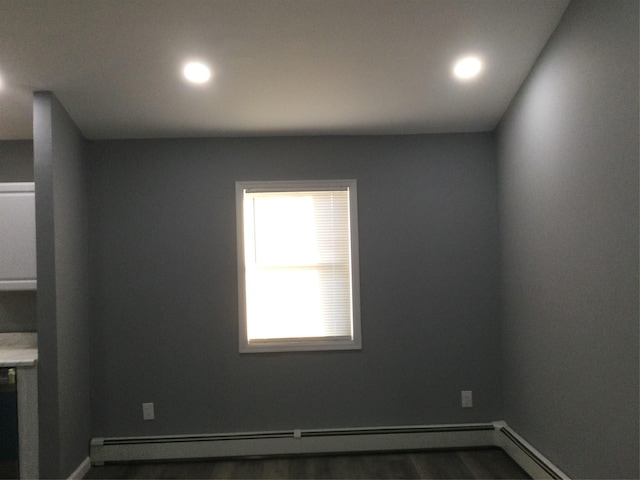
x,y
245,469
447,464
388,465
346,466
185,470
159,470
491,463
222,469
440,465
302,467
121,470
315,467
275,468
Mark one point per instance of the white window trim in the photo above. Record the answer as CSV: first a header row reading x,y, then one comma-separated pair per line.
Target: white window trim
x,y
309,344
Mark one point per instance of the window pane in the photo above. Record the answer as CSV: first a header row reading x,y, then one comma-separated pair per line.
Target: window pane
x,y
297,264
298,303
284,304
285,230
300,228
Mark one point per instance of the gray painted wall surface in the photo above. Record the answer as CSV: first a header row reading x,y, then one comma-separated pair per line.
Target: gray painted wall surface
x,y
164,315
16,161
568,152
63,339
17,309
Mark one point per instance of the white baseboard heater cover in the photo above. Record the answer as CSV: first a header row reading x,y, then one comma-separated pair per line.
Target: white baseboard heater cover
x,y
525,455
291,442
342,440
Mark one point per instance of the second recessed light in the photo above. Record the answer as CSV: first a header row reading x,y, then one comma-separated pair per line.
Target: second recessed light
x,y
467,68
197,72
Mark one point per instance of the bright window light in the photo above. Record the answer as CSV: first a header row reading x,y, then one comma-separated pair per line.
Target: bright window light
x,y
467,68
297,260
196,72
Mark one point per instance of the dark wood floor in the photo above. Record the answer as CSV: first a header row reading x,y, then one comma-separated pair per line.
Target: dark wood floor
x,y
488,463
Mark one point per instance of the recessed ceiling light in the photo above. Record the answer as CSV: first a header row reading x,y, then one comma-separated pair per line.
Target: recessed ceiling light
x,y
196,72
467,68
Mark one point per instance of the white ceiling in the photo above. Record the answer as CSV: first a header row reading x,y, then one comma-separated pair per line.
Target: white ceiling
x,y
282,67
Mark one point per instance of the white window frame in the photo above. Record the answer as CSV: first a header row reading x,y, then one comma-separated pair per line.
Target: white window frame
x,y
287,345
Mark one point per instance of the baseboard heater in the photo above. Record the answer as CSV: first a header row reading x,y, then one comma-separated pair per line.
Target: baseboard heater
x,y
322,441
289,442
530,459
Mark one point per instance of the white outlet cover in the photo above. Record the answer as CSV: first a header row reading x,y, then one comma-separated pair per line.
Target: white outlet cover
x,y
467,398
147,411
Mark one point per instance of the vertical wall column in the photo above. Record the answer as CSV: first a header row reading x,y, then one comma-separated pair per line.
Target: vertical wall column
x,y
61,247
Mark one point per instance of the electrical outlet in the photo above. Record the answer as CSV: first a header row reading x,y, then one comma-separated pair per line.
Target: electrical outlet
x,y
467,398
147,411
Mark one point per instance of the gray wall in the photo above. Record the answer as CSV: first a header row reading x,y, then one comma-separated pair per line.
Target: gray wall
x,y
63,339
568,152
17,309
16,161
164,286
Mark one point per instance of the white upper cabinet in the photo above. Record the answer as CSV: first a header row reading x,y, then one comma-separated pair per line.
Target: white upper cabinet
x,y
17,236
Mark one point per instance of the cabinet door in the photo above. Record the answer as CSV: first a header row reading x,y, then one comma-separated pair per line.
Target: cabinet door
x,y
17,236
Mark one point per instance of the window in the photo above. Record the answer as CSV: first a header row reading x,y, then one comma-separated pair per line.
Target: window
x,y
298,265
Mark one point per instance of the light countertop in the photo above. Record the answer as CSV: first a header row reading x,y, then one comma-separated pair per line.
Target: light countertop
x,y
18,349
18,357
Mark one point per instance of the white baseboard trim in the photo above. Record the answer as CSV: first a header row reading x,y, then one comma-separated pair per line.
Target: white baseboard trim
x,y
342,440
81,471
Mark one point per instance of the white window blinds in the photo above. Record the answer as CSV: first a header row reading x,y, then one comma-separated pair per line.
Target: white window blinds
x,y
298,259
